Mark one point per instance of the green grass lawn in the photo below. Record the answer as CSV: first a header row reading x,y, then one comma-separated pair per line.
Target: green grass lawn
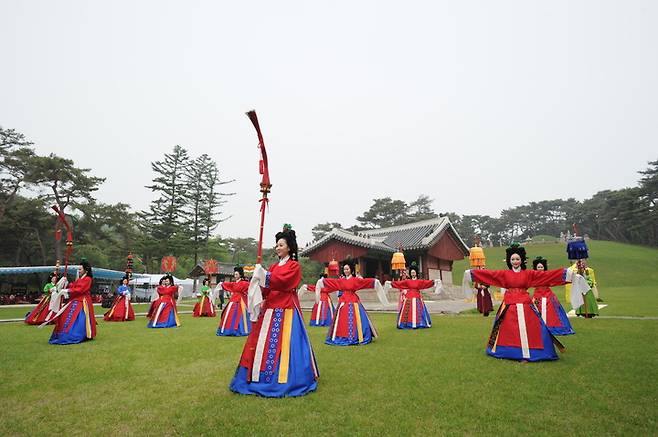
x,y
134,380
138,381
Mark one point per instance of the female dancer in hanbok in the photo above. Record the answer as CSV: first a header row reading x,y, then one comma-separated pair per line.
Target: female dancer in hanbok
x,y
549,306
478,260
351,325
322,313
234,320
277,359
403,276
413,313
519,333
163,313
121,310
484,302
41,312
482,295
589,307
204,306
75,321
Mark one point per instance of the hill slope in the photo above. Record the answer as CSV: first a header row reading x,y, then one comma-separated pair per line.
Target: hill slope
x,y
627,275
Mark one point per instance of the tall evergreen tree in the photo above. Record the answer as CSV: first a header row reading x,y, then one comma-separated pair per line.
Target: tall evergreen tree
x,y
211,213
194,199
384,212
16,165
203,202
648,212
165,223
421,209
27,233
322,229
65,184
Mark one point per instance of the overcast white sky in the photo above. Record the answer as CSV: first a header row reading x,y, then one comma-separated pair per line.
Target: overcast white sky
x,y
357,99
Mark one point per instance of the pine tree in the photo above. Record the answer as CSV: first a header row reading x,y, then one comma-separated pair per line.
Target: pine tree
x,y
203,202
165,224
210,211
16,162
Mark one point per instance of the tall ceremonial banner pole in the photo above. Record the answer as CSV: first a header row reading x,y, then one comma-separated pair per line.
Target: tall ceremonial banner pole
x,y
56,308
69,238
265,184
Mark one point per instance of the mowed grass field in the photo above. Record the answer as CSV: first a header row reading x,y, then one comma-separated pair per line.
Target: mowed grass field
x,y
137,381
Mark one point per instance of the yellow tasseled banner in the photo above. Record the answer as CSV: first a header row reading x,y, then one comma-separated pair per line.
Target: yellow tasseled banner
x,y
477,258
398,262
334,268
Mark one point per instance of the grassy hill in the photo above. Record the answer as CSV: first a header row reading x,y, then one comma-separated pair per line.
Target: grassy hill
x,y
627,275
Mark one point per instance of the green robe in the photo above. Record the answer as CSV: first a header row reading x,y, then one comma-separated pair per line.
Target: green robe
x,y
205,292
590,306
47,287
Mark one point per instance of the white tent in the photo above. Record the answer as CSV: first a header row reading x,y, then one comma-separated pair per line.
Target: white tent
x,y
144,286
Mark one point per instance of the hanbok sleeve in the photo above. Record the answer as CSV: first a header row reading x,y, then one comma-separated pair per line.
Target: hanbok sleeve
x,y
400,285
592,276
548,278
254,298
229,286
80,287
329,284
467,289
491,277
381,293
438,286
284,279
363,283
57,294
424,284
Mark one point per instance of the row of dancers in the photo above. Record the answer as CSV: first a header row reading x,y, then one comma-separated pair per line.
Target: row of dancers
x,y
544,297
278,359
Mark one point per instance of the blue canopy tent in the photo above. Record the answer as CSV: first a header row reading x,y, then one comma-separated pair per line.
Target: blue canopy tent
x,y
99,273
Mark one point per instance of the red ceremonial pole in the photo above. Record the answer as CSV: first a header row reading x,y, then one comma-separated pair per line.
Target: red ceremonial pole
x,y
69,237
265,184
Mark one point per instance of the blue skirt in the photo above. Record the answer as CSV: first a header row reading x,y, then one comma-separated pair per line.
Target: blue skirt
x,y
565,328
77,333
291,374
418,319
322,314
547,353
169,323
233,323
345,330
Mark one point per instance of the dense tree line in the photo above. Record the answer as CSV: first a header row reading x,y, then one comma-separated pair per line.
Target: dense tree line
x,y
385,212
180,221
627,215
187,209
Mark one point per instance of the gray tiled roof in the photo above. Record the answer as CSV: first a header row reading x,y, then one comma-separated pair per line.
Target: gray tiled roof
x,y
411,236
